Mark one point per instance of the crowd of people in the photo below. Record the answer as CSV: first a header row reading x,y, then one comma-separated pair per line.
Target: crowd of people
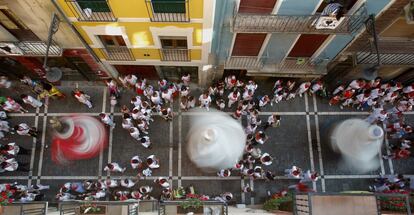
x,y
386,101
14,192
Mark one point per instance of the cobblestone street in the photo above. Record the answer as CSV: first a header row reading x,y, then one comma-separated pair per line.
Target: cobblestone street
x,y
301,140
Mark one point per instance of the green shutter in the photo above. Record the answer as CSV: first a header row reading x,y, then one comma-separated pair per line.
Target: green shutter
x,y
94,5
168,6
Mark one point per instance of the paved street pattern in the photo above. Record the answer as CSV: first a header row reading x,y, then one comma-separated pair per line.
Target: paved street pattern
x,y
301,140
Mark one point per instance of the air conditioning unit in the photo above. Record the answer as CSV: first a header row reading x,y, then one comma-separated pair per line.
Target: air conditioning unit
x,y
409,12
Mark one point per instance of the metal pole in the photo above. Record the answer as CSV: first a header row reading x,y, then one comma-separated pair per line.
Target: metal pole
x,y
53,28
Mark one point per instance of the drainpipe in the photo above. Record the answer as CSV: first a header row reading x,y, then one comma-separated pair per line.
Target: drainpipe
x,y
88,48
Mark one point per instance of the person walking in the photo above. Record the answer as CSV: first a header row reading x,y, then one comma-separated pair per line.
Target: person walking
x,y
114,167
24,129
82,97
31,101
107,119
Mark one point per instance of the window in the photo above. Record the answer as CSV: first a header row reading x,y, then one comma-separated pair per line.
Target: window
x,y
9,21
94,5
112,40
174,43
168,6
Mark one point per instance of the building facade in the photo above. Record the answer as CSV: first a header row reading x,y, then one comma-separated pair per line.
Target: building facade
x,y
24,32
150,38
275,38
390,55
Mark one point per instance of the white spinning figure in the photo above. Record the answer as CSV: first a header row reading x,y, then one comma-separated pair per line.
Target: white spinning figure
x,y
215,141
359,143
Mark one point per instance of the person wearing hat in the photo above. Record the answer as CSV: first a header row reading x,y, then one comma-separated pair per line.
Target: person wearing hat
x,y
114,167
107,119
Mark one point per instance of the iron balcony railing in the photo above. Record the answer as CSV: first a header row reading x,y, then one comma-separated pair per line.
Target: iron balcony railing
x,y
29,48
288,66
168,11
392,52
244,62
175,54
120,53
273,23
32,208
91,10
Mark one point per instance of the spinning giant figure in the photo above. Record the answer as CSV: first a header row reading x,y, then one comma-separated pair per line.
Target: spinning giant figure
x,y
359,142
83,137
215,141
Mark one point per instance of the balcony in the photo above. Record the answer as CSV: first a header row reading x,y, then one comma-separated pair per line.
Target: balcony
x,y
392,52
91,10
289,67
175,54
244,62
306,24
119,53
168,11
29,48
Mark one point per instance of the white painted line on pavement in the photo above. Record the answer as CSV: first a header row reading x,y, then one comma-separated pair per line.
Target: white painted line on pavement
x,y
170,157
42,149
179,142
387,147
349,176
308,128
111,137
33,151
318,141
100,165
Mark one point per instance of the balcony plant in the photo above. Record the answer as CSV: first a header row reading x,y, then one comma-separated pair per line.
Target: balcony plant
x,y
279,203
89,208
192,203
5,199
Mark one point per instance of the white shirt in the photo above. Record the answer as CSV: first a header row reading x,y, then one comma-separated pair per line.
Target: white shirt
x,y
135,165
204,101
135,134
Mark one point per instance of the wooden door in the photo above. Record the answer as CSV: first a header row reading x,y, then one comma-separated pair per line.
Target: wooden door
x,y
248,44
147,72
307,45
16,27
257,6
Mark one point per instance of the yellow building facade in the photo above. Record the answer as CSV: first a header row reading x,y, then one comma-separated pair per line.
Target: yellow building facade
x,y
149,38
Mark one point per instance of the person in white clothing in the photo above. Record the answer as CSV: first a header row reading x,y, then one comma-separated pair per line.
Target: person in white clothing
x,y
233,98
294,172
309,176
24,129
136,162
145,141
163,182
153,162
4,82
191,102
224,173
156,98
111,183
114,167
266,159
127,183
205,100
186,79
107,120
303,88
134,132
136,101
167,96
145,189
131,80
127,122
82,97
31,101
38,187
